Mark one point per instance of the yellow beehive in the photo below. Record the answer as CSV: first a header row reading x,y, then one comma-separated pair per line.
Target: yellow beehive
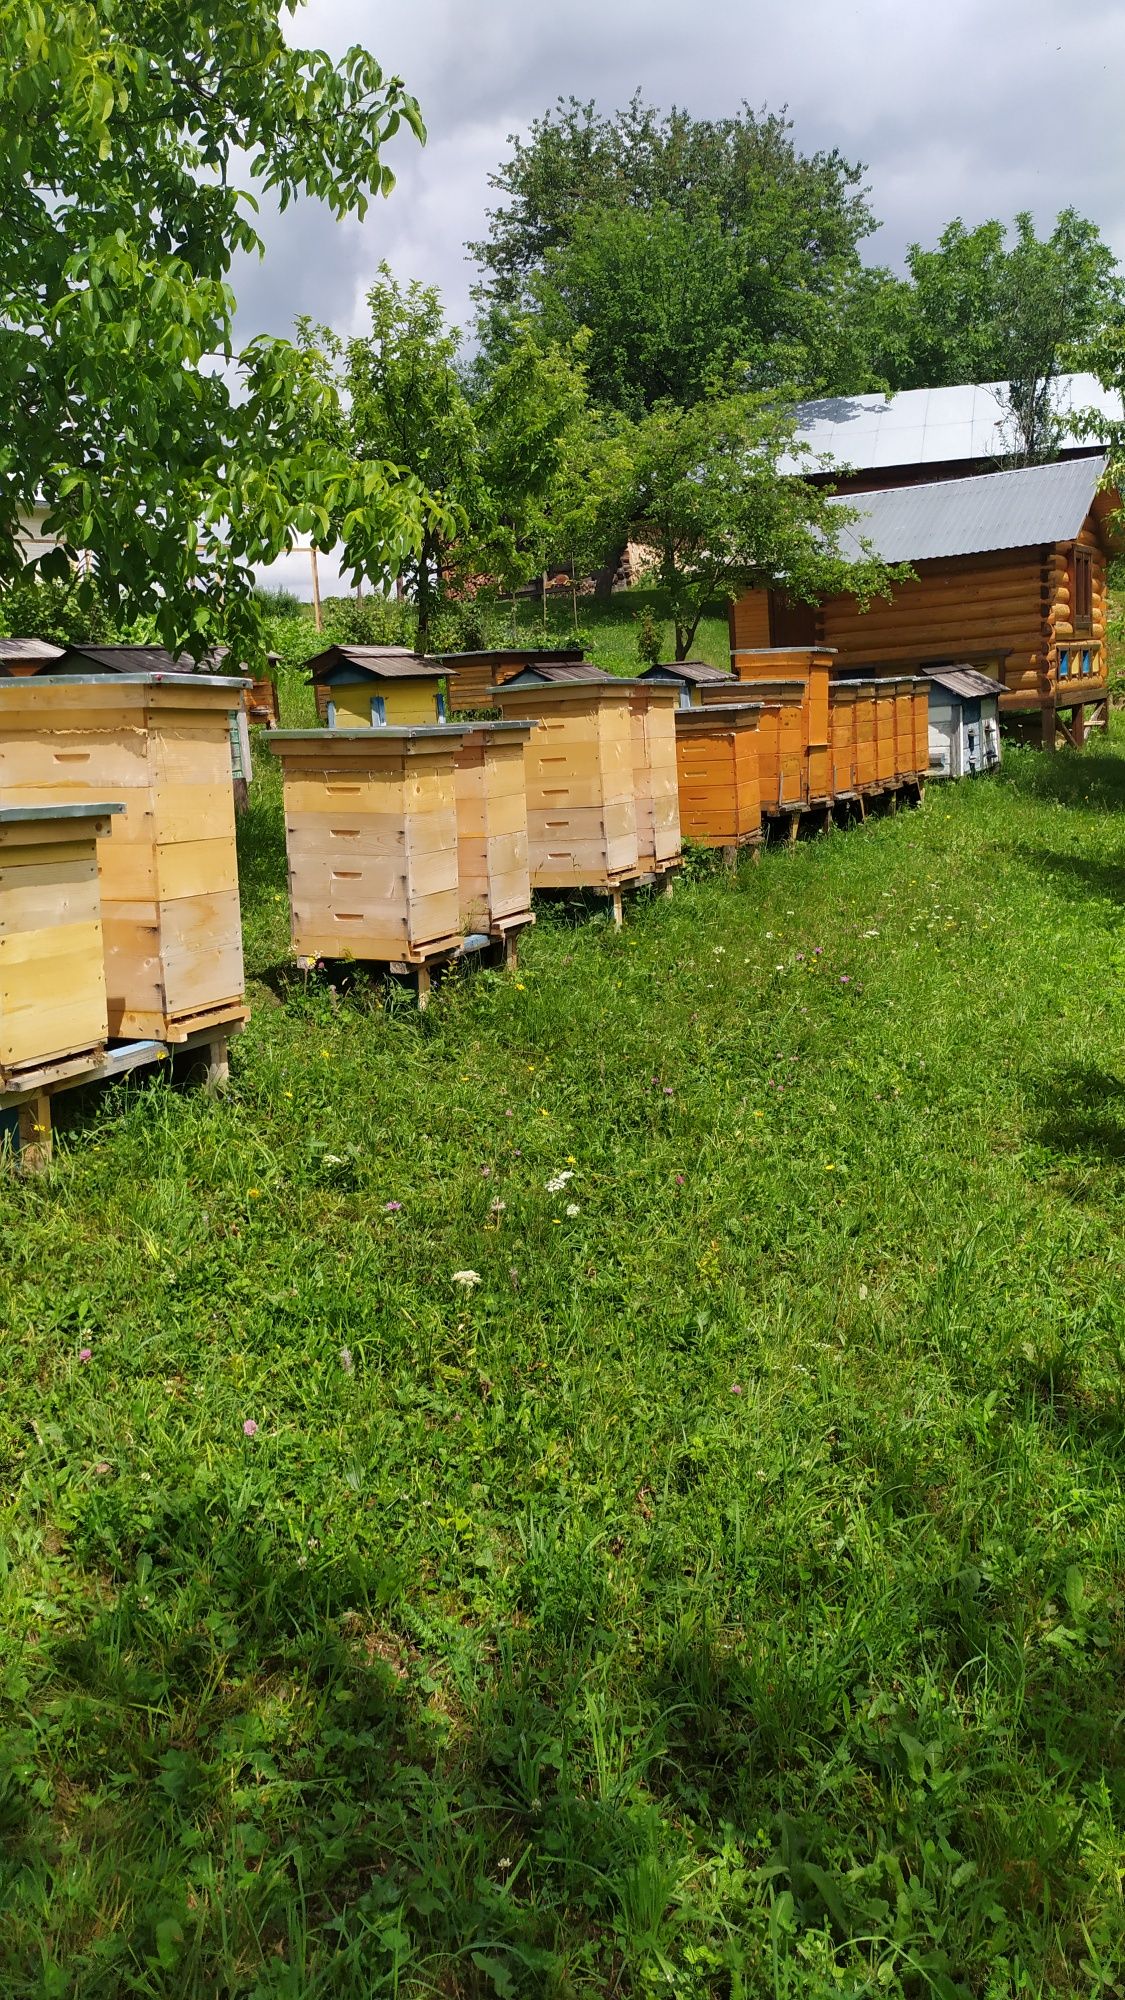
x,y
581,797
363,687
371,835
655,778
169,875
492,856
52,961
717,754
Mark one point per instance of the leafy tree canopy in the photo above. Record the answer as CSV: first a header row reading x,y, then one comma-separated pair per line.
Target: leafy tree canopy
x,y
600,214
702,485
124,407
988,305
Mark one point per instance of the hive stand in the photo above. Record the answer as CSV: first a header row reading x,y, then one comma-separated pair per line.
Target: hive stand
x,y
26,1112
492,851
371,837
159,743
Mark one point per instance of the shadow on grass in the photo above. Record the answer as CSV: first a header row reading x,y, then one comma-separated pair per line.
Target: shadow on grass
x,y
1093,777
1101,878
1082,1112
250,1771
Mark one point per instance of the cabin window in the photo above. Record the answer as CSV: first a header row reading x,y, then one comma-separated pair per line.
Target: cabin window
x,y
1086,663
1083,590
1064,663
378,710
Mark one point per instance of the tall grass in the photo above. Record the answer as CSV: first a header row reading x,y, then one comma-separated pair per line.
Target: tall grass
x,y
722,1597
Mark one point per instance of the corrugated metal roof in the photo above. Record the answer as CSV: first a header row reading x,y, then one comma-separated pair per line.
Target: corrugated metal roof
x,y
968,681
506,656
963,517
24,650
131,660
694,671
382,662
932,426
548,676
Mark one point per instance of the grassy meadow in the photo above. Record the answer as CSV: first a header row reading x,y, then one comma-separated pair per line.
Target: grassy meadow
x,y
613,1487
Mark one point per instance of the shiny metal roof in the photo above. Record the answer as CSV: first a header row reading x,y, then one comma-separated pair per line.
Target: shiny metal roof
x,y
963,517
967,681
931,426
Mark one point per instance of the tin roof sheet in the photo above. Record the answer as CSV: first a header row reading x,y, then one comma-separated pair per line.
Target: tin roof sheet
x,y
381,662
932,426
23,650
962,517
694,671
968,681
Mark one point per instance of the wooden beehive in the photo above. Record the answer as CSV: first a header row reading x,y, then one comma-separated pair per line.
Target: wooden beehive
x,y
782,764
357,687
886,766
53,1017
169,875
655,775
866,759
812,667
717,759
492,854
371,836
470,677
842,738
581,800
920,701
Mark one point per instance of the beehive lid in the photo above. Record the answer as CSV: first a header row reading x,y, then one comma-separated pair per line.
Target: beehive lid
x,y
381,663
154,678
18,815
694,672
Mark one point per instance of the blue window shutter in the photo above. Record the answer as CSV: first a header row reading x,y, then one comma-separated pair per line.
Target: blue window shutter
x,y
1086,659
378,710
331,715
440,705
1064,663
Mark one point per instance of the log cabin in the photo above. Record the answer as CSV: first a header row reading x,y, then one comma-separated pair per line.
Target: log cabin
x,y
1009,576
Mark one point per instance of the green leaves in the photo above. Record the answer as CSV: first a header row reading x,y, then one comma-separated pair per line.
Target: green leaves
x,y
124,412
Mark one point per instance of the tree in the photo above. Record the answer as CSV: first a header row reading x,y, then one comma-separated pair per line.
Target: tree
x,y
537,456
408,402
124,407
984,307
703,486
587,195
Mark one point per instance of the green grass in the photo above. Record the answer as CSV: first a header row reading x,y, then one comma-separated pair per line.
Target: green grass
x,y
724,1597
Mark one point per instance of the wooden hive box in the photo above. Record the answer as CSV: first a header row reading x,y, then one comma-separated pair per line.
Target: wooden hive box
x,y
781,740
53,1018
371,837
581,801
492,853
365,687
842,738
655,774
160,743
812,667
886,769
866,757
471,677
904,728
717,759
920,704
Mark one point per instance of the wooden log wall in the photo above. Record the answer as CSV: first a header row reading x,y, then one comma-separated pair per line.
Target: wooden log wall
x,y
968,605
1056,596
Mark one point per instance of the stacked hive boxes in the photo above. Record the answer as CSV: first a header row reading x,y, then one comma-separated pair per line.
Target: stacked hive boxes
x,y
159,744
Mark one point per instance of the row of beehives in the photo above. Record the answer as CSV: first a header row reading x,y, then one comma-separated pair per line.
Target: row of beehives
x,y
408,834
119,906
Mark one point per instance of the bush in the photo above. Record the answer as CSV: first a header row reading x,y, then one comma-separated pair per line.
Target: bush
x,y
650,638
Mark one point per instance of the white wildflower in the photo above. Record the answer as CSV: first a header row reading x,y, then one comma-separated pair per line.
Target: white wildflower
x,y
346,1362
573,1209
466,1278
558,1181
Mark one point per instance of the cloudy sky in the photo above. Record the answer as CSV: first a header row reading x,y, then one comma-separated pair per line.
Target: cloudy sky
x,y
958,107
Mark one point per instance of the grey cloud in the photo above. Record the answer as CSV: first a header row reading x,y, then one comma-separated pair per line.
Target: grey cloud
x,y
958,107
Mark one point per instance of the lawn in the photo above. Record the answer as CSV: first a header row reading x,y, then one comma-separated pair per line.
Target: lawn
x,y
723,1596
